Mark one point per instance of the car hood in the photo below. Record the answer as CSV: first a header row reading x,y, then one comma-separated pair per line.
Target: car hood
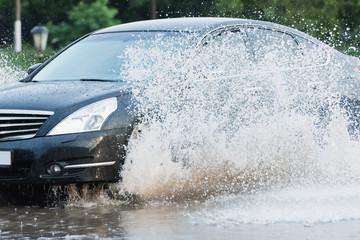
x,y
54,95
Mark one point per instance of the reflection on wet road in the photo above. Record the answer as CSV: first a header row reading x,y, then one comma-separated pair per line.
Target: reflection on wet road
x,y
313,212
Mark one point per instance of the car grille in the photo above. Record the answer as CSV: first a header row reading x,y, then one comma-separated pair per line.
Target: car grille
x,y
21,124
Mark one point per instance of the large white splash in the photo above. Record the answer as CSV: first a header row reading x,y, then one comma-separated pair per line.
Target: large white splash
x,y
204,133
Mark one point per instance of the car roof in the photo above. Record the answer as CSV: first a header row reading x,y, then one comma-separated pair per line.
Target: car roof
x,y
190,24
200,25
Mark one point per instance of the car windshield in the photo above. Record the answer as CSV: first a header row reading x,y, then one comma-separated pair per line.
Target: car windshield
x,y
100,57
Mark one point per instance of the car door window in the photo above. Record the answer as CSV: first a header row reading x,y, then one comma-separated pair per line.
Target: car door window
x,y
224,53
313,54
272,49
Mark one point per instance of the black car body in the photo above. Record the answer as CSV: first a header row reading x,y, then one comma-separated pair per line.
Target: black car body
x,y
31,152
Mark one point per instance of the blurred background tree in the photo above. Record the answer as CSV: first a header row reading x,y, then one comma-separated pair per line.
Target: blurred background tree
x,y
81,19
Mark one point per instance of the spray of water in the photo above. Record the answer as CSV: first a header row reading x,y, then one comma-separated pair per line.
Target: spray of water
x,y
214,123
8,72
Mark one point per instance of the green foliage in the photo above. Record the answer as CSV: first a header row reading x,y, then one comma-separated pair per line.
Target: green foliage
x,y
7,17
81,19
316,17
230,8
333,21
24,59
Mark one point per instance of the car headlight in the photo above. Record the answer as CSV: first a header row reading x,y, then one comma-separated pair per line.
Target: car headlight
x,y
88,118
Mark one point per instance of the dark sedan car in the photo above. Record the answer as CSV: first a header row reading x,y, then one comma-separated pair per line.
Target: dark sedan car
x,y
69,121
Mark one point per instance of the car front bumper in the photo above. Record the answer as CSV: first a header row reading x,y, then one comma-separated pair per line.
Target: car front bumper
x,y
84,157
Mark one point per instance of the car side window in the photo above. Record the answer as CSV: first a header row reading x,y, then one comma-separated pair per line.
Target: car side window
x,y
272,49
224,53
313,54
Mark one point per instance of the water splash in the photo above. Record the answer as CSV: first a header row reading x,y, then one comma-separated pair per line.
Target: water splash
x,y
204,133
8,72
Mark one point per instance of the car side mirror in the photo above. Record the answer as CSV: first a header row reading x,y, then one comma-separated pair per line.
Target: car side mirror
x,y
33,68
